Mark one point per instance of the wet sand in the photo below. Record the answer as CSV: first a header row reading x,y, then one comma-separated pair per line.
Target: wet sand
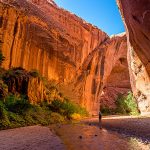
x,y
138,127
30,138
86,135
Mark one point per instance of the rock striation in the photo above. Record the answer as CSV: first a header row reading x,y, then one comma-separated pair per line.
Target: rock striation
x,y
116,73
79,57
136,16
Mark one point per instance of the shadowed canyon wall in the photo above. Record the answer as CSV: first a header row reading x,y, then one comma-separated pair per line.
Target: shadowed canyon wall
x,y
136,16
82,59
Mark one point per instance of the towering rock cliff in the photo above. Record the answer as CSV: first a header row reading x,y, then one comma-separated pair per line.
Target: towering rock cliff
x,y
92,79
116,73
136,16
37,34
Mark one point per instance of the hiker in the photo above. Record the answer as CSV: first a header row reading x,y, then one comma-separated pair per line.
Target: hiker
x,y
100,120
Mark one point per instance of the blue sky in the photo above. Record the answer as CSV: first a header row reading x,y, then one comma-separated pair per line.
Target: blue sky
x,y
102,13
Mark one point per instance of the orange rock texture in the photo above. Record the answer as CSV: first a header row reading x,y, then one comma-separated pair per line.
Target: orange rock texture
x,y
136,16
116,73
37,34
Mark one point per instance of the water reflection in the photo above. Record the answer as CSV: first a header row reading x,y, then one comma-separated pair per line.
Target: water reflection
x,y
140,145
85,137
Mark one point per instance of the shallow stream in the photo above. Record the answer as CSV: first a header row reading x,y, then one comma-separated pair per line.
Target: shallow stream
x,y
81,136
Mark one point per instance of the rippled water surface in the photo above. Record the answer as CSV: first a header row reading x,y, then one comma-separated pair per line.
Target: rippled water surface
x,y
85,137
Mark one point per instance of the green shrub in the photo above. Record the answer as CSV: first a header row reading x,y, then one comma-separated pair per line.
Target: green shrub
x,y
14,74
5,124
34,73
16,104
56,106
37,115
4,120
76,116
106,111
56,118
67,108
16,112
16,120
127,105
3,112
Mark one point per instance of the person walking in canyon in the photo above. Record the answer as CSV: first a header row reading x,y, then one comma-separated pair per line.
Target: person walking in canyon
x,y
100,119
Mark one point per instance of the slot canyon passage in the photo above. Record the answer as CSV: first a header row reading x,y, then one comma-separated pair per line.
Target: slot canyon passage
x,y
41,42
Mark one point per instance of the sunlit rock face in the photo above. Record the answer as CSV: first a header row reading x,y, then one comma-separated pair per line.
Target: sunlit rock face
x,y
37,34
104,74
136,16
40,35
116,73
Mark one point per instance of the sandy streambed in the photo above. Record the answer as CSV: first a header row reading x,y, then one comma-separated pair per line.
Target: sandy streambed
x,y
84,135
87,137
30,138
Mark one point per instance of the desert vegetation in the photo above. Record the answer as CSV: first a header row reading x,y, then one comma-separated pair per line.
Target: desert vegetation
x,y
16,108
125,104
17,111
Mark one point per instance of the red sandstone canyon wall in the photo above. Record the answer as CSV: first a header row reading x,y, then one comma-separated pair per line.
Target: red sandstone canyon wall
x,y
136,16
37,34
104,74
116,73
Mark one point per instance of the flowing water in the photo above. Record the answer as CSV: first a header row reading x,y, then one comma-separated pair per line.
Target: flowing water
x,y
81,136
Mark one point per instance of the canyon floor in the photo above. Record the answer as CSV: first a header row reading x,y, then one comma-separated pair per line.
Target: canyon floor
x,y
133,133
30,138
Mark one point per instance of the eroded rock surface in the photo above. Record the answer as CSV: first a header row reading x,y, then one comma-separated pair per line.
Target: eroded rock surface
x,y
37,34
116,74
21,82
136,15
105,74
